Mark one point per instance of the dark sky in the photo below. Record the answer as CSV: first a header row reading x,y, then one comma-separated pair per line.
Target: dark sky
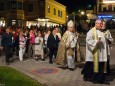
x,y
75,5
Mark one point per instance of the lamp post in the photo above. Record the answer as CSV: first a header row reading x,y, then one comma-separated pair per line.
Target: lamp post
x,y
82,15
82,12
67,18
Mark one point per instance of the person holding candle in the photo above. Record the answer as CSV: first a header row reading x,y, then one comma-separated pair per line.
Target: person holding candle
x,y
95,68
22,43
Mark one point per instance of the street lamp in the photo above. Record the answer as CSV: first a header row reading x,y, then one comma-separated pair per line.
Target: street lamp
x,y
67,18
82,12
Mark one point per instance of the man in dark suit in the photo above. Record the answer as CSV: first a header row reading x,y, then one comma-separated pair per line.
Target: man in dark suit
x,y
52,44
16,38
7,44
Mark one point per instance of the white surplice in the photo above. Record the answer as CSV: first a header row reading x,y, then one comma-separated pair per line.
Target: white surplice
x,y
71,42
91,44
109,37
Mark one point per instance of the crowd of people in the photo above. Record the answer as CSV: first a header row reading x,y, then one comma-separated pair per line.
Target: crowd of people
x,y
31,43
65,49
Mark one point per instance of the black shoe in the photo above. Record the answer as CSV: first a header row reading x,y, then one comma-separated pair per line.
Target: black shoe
x,y
64,68
36,59
94,82
43,59
85,79
105,82
71,69
50,62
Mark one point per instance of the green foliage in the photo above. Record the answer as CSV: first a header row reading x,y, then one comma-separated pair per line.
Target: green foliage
x,y
11,77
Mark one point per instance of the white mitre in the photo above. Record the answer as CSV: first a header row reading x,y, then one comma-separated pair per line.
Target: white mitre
x,y
70,23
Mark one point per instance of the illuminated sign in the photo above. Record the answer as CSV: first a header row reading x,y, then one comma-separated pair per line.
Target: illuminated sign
x,y
104,17
108,1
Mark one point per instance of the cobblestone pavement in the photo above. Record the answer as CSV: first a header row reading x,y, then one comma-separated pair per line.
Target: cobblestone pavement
x,y
60,78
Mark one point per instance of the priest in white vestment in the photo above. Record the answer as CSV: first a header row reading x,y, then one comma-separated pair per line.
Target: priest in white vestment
x,y
96,55
109,41
68,48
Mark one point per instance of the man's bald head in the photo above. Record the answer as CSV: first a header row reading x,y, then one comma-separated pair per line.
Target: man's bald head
x,y
98,24
98,21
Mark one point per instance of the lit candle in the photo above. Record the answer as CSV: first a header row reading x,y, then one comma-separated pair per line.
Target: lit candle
x,y
12,39
99,37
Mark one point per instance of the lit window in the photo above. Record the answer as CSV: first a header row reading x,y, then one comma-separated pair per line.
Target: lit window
x,y
48,9
13,22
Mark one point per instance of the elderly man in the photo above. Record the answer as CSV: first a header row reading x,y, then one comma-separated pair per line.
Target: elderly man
x,y
96,55
68,48
7,44
58,33
52,44
109,41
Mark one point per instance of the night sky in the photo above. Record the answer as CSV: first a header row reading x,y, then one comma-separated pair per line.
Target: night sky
x,y
75,5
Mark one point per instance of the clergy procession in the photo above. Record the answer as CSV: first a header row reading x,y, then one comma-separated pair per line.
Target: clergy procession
x,y
98,43
62,49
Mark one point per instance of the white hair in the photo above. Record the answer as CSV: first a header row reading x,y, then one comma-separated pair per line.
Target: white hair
x,y
70,23
104,22
98,21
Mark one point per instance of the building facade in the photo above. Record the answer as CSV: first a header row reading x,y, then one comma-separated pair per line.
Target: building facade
x,y
11,12
31,12
49,12
106,9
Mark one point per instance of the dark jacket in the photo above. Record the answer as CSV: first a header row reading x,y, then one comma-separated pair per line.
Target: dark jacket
x,y
6,40
52,42
16,41
28,40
